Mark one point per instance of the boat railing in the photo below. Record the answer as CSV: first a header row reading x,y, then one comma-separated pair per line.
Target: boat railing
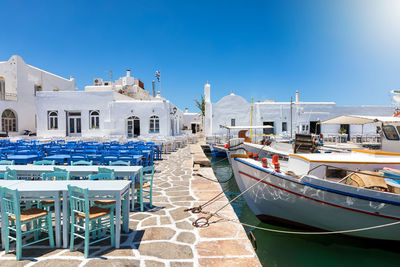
x,y
348,170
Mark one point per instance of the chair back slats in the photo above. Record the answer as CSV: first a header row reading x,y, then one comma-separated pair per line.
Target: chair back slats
x,y
10,202
44,162
102,176
120,163
10,174
82,163
105,170
79,200
6,162
56,176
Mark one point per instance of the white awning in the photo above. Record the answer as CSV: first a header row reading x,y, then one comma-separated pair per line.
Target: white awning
x,y
360,120
248,127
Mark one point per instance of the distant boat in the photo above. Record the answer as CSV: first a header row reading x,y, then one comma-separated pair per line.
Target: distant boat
x,y
332,191
217,151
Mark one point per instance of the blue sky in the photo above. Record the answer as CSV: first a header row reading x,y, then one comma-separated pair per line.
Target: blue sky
x,y
345,51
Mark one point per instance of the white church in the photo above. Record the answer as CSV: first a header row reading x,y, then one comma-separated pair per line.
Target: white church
x,y
284,117
35,100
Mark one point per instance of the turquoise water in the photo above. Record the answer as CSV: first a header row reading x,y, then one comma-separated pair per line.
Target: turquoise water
x,y
275,249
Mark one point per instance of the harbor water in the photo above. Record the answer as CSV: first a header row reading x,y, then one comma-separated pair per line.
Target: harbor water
x,y
275,249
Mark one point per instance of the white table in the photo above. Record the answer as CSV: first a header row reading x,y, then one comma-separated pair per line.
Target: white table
x,y
74,170
37,170
43,190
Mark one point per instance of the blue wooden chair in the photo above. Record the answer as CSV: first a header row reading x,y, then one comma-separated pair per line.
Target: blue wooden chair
x,y
44,162
120,163
105,170
10,174
81,163
56,176
144,188
6,162
59,169
52,176
92,219
36,220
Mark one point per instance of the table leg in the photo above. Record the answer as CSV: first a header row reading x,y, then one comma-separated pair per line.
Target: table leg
x,y
118,221
126,212
133,192
65,220
57,215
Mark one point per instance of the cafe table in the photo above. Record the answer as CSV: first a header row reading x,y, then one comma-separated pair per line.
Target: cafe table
x,y
53,190
22,159
59,158
80,171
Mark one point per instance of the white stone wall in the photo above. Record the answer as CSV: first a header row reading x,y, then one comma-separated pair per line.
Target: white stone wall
x,y
236,107
20,79
113,113
189,118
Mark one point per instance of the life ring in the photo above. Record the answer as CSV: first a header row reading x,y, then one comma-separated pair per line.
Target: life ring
x,y
397,114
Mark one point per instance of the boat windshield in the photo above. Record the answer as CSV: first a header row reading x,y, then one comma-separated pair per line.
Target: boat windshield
x,y
390,132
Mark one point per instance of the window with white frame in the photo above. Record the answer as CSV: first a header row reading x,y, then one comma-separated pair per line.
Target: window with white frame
x,y
8,121
233,122
52,120
94,119
154,124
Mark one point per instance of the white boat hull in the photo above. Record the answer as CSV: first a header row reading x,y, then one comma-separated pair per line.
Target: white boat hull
x,y
285,199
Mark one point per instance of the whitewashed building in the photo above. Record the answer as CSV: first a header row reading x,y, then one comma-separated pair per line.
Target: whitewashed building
x,y
19,85
298,117
192,121
122,108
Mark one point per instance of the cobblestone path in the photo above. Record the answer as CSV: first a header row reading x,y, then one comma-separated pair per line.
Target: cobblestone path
x,y
162,235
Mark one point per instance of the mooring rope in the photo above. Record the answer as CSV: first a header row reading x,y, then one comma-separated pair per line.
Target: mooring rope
x,y
204,221
305,233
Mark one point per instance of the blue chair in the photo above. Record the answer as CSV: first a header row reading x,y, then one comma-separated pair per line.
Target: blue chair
x,y
82,163
6,162
44,162
92,219
120,163
53,176
144,188
56,176
10,174
36,221
105,170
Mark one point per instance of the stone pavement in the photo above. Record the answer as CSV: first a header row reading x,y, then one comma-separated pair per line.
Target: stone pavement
x,y
162,235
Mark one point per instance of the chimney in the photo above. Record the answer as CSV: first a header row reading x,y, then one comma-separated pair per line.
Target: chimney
x,y
153,83
128,73
297,96
186,110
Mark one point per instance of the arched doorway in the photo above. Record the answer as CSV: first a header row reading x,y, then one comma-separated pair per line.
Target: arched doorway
x,y
8,121
133,126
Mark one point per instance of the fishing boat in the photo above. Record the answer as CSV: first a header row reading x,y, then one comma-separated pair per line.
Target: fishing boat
x,y
336,192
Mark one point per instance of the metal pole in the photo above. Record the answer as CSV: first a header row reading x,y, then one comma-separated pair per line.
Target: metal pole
x,y
291,119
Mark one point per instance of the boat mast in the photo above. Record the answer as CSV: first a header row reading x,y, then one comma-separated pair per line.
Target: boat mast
x,y
291,120
251,120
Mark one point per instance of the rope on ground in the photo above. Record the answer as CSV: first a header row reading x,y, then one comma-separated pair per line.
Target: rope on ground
x,y
204,221
199,208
